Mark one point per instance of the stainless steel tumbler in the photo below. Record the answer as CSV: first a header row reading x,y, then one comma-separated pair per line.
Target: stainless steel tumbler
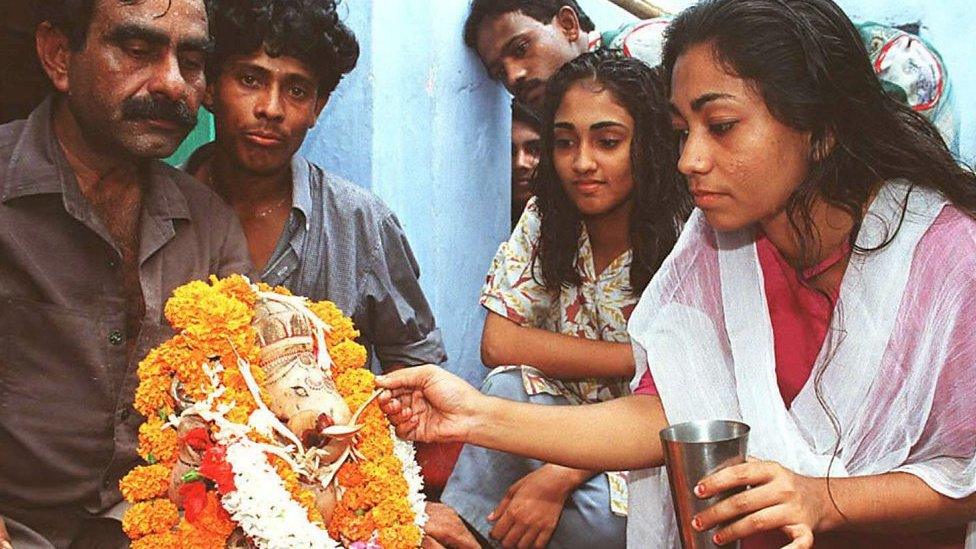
x,y
692,451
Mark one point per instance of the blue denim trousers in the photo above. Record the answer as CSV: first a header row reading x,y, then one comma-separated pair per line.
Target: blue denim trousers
x,y
481,477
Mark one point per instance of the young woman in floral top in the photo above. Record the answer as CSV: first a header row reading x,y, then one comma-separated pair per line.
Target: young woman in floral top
x,y
609,208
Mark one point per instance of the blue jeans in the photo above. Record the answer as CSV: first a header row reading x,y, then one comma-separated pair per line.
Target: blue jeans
x,y
481,477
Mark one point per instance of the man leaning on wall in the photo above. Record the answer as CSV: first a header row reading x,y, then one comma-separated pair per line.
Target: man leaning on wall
x,y
95,233
522,43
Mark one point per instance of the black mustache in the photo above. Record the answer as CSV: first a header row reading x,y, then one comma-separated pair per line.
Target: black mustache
x,y
154,108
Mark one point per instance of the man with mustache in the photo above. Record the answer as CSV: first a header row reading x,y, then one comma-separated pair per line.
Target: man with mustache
x,y
95,233
275,64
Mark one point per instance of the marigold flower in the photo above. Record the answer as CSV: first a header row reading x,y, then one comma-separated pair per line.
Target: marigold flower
x,y
355,385
347,355
181,309
155,516
145,482
350,525
194,537
152,394
166,540
236,287
401,536
157,442
342,328
392,511
349,475
264,287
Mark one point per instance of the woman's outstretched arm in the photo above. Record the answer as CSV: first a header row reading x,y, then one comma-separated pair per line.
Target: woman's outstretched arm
x,y
429,404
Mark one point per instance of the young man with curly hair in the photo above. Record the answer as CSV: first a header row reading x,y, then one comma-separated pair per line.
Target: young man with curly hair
x,y
274,66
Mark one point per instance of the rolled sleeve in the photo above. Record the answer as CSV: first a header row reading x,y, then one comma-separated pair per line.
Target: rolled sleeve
x,y
400,325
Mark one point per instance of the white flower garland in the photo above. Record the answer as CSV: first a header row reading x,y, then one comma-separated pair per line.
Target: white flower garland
x,y
264,509
405,452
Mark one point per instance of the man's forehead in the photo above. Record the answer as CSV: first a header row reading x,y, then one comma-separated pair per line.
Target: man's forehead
x,y
283,65
186,18
524,130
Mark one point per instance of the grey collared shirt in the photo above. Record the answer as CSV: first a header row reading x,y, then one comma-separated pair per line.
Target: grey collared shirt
x,y
67,428
342,244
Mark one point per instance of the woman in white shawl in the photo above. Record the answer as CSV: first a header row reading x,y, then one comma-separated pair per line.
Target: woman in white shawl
x,y
822,292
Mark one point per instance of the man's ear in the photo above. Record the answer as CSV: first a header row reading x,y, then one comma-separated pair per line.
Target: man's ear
x,y
567,21
54,53
320,104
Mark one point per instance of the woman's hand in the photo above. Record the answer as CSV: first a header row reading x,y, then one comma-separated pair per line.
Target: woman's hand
x,y
778,499
429,404
528,514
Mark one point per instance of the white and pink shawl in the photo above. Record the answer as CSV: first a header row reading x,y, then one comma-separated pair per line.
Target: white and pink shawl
x,y
898,369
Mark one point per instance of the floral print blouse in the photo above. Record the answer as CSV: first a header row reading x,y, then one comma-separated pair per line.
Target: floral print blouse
x,y
598,308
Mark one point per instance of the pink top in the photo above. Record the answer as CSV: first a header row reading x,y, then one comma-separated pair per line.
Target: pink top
x,y
800,317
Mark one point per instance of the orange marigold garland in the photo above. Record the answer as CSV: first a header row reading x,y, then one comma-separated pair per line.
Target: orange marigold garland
x,y
213,362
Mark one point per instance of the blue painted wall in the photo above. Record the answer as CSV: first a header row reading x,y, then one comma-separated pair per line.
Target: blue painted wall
x,y
420,124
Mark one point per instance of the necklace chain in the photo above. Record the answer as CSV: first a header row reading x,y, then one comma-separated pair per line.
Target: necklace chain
x,y
260,214
270,209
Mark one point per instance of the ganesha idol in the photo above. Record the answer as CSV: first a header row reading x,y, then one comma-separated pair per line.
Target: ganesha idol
x,y
309,419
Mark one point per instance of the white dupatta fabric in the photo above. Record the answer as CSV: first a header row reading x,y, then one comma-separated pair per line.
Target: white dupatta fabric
x,y
898,369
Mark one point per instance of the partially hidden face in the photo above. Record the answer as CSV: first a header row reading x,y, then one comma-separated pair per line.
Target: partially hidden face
x,y
742,164
526,148
263,106
592,136
137,82
301,391
522,53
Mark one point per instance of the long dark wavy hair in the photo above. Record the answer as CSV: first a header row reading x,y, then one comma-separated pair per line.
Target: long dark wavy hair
x,y
810,66
660,196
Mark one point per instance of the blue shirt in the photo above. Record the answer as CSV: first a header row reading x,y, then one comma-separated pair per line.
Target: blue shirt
x,y
343,244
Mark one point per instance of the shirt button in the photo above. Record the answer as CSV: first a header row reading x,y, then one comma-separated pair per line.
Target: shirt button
x,y
115,337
